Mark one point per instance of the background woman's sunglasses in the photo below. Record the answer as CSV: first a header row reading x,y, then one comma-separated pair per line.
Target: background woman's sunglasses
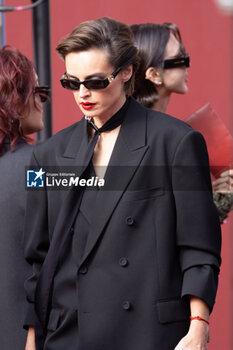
x,y
90,84
183,61
43,92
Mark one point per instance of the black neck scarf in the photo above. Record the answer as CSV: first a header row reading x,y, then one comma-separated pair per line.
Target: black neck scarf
x,y
65,220
110,124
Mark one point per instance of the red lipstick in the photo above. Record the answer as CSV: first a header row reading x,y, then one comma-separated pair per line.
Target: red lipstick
x,y
87,105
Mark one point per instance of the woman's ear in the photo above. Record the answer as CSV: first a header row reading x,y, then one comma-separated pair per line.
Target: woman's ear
x,y
126,73
153,74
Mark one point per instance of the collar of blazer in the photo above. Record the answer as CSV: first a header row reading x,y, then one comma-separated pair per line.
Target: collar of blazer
x,y
133,132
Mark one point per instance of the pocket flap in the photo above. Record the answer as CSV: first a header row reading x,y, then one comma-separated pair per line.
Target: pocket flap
x,y
173,310
54,318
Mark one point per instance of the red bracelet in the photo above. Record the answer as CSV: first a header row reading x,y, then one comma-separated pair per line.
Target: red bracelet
x,y
199,318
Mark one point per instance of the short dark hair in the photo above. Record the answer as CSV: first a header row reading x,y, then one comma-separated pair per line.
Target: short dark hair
x,y
17,83
104,33
151,40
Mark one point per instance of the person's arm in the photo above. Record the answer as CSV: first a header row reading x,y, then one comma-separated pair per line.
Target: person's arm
x,y
198,235
198,334
35,242
31,343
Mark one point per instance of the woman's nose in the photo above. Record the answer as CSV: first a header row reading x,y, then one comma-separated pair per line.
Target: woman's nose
x,y
83,91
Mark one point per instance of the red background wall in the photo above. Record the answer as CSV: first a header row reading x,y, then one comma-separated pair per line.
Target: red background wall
x,y
207,34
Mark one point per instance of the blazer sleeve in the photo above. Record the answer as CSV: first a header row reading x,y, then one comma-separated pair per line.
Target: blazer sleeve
x,y
198,228
36,242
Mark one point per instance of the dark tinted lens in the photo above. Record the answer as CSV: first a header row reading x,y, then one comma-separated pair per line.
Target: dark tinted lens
x,y
70,84
96,84
187,61
44,93
177,62
43,97
91,84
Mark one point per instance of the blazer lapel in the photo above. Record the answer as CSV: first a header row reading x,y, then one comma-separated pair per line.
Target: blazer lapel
x,y
71,160
75,150
127,155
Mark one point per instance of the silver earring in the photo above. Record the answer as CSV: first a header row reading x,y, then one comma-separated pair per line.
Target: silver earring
x,y
158,82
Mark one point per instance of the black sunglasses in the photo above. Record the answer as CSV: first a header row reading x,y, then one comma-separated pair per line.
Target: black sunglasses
x,y
90,84
43,92
183,61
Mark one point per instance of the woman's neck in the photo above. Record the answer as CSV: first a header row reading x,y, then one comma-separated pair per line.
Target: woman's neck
x,y
161,104
101,120
163,100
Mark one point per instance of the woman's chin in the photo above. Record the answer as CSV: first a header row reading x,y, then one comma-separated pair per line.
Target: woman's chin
x,y
182,91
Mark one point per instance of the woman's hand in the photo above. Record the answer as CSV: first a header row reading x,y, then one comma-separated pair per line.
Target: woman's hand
x,y
196,338
31,343
224,184
198,334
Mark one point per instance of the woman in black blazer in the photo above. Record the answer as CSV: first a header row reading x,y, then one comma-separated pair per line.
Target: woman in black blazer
x,y
20,115
123,265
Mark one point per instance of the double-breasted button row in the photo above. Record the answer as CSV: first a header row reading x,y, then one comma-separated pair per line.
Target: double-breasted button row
x,y
126,305
123,262
129,221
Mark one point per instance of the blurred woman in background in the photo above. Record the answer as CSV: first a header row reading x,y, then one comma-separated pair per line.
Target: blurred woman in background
x,y
162,72
160,49
20,115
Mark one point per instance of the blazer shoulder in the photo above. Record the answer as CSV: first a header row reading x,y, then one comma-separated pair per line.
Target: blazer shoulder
x,y
20,155
166,122
162,122
57,143
171,131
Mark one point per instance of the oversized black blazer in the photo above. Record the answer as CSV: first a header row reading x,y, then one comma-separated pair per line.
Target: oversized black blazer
x,y
154,238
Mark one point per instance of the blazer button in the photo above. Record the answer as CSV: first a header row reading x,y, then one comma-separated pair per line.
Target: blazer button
x,y
72,230
83,270
126,305
123,262
129,221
